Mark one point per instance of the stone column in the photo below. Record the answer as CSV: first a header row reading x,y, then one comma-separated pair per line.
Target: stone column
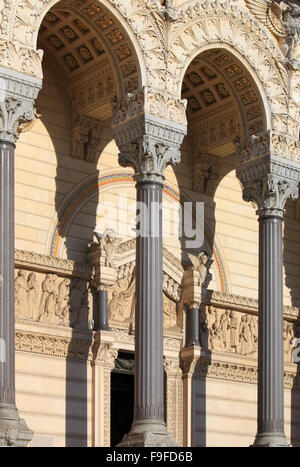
x,y
17,95
156,143
270,182
193,324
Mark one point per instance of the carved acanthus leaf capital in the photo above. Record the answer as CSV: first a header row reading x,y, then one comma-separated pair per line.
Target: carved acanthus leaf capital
x,y
148,145
269,183
17,97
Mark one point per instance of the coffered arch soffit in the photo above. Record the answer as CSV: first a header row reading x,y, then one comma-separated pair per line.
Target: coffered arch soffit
x,y
223,101
199,25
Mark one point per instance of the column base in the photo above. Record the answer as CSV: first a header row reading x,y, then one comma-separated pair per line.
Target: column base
x,y
147,434
271,440
14,431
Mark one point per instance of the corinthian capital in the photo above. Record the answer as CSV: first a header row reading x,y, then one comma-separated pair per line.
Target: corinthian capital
x,y
149,144
17,96
269,183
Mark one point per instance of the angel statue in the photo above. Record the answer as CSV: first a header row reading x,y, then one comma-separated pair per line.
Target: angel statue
x,y
109,242
199,264
282,20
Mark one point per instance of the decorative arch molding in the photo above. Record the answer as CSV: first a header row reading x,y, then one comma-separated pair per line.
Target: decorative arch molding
x,y
20,21
80,195
166,48
225,24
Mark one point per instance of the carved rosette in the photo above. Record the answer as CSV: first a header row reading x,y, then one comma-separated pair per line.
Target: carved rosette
x,y
148,144
269,182
17,97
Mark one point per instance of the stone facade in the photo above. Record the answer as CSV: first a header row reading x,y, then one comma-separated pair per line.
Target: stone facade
x,y
107,103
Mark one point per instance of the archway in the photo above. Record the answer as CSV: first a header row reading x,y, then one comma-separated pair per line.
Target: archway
x,y
224,107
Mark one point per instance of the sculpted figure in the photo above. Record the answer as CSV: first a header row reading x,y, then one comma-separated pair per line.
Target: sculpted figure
x,y
20,294
122,304
32,296
63,302
48,299
204,329
170,319
245,336
79,304
200,264
109,243
288,335
233,331
225,327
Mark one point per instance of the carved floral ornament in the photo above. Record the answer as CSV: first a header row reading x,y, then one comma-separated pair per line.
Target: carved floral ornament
x,y
168,41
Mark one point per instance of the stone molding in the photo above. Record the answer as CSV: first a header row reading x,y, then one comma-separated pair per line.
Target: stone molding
x,y
43,263
244,304
17,96
202,364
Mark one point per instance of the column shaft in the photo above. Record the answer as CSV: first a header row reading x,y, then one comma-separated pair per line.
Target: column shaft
x,y
193,326
149,396
270,334
7,360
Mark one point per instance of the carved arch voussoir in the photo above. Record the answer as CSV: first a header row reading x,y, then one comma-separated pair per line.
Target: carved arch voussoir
x,y
20,21
226,25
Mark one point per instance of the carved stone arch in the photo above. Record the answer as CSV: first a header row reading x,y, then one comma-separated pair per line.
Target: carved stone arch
x,y
227,25
21,20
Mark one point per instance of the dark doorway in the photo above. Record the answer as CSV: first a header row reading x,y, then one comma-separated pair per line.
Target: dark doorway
x,y
122,397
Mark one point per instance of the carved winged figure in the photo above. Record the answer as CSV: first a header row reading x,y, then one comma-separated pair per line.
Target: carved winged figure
x,y
281,18
199,263
109,242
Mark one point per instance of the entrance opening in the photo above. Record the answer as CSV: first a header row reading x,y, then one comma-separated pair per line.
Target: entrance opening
x,y
122,397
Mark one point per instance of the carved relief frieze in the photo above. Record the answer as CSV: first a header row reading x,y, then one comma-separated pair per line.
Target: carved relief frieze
x,y
95,90
86,138
216,130
48,298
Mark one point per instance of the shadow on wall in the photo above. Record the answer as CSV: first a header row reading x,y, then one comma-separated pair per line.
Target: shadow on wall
x,y
291,260
204,189
56,116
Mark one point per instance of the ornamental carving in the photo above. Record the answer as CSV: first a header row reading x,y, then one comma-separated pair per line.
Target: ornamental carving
x,y
86,138
149,155
168,43
269,184
206,173
50,299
